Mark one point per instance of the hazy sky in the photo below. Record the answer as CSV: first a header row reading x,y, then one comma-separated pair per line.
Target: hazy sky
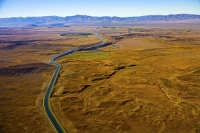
x,y
121,8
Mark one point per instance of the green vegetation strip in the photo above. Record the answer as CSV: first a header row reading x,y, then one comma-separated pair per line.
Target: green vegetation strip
x,y
90,55
113,28
84,36
186,30
76,36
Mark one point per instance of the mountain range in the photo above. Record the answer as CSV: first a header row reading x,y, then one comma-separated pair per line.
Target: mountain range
x,y
81,19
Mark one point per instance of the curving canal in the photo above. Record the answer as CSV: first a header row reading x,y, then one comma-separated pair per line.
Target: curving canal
x,y
47,107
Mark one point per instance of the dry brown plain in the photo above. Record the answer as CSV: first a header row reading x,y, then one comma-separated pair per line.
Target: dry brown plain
x,y
25,73
147,81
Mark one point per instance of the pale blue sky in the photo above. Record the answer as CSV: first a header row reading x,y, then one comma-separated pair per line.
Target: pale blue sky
x,y
121,8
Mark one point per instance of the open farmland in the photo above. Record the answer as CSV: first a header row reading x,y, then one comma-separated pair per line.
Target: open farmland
x,y
147,80
25,72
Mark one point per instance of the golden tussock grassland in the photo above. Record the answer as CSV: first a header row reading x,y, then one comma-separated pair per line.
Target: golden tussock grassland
x,y
148,80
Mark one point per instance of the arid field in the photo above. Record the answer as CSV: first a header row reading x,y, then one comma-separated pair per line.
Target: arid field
x,y
146,81
25,72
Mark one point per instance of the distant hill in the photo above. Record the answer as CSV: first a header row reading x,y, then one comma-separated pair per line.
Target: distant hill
x,y
61,21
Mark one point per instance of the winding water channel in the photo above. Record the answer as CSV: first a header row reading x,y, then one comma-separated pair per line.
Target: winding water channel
x,y
47,107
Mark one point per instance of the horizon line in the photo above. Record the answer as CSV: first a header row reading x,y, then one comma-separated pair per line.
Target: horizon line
x,y
102,16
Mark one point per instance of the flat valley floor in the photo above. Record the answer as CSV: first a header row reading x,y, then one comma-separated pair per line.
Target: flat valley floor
x,y
147,80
